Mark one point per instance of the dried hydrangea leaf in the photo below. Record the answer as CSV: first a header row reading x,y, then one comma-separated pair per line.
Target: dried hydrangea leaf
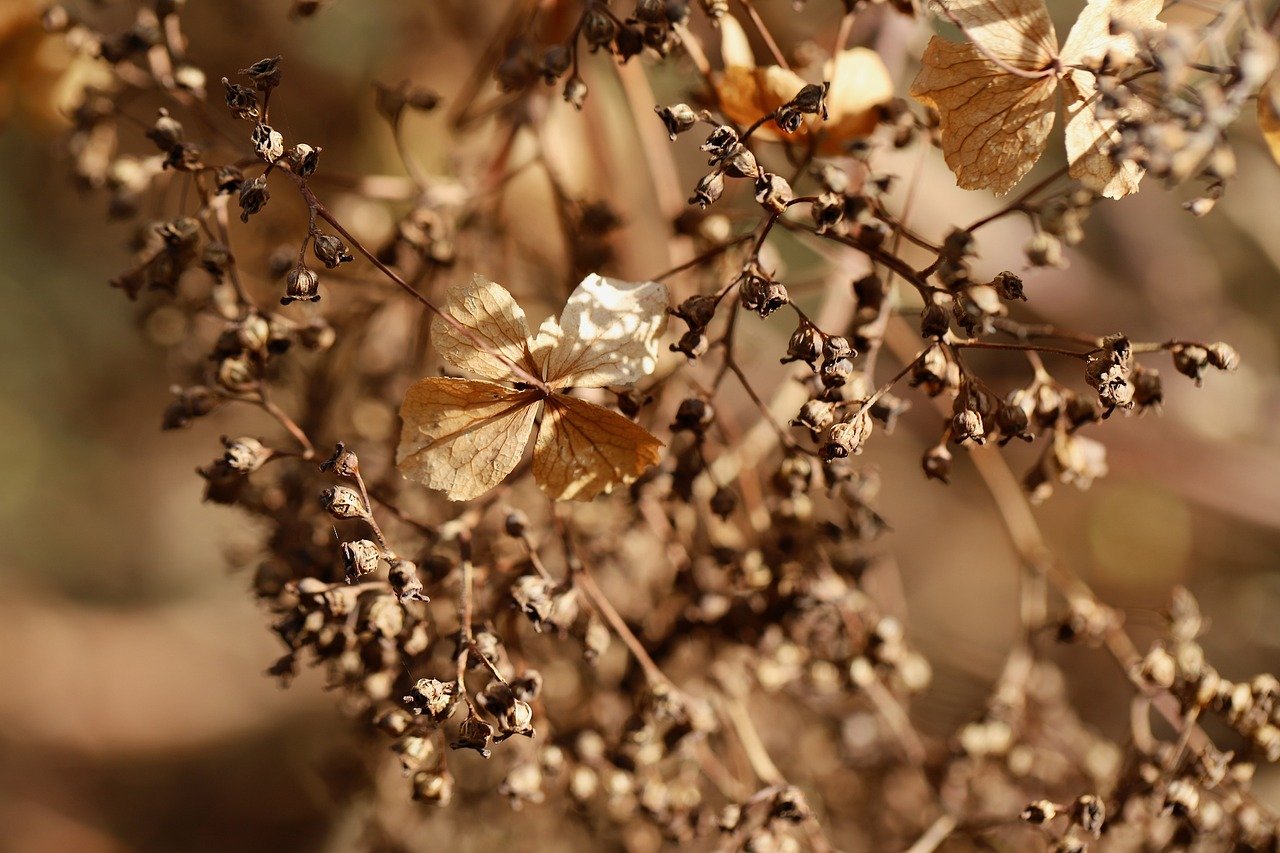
x,y
1269,116
493,317
994,124
607,335
1091,139
461,436
584,449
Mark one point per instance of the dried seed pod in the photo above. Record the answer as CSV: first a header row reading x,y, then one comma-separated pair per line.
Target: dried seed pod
x,y
360,557
343,502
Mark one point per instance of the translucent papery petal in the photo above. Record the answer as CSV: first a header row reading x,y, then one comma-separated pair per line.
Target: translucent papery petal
x,y
1020,32
461,436
583,449
497,325
1091,39
607,335
1091,141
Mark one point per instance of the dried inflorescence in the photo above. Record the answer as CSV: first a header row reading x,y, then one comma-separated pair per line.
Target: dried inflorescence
x,y
628,641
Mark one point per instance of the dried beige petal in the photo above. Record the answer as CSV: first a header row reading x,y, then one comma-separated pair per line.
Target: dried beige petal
x,y
1091,139
746,93
1269,116
735,47
607,335
1019,32
1091,38
461,436
994,124
860,84
583,449
492,315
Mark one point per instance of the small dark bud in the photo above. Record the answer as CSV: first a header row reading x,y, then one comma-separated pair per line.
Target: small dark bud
x,y
934,321
724,502
267,142
1009,286
773,193
254,196
575,92
740,163
1191,360
967,426
331,251
937,463
678,118
846,438
697,311
805,345
811,100
301,285
265,73
405,583
708,190
303,159
694,415
343,462
166,132
241,100
720,142
762,295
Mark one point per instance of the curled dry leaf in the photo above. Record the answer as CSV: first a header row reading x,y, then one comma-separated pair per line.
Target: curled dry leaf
x,y
995,93
1269,116
465,436
860,84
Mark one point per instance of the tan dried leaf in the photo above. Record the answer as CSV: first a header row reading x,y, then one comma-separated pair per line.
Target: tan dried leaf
x,y
994,124
584,449
463,436
1269,116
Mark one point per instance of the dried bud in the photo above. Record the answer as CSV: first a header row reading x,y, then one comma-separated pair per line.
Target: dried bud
x,y
1039,812
967,426
1089,813
740,163
805,345
303,159
678,118
254,196
1043,250
934,321
937,463
846,438
1181,798
708,190
242,101
837,347
694,415
599,28
692,343
265,73
267,142
301,285
342,462
697,311
773,193
1190,360
245,455
360,557
330,251
1009,286
724,502
405,583
166,132
827,212
815,416
474,733
762,295
433,786
720,142
811,100
1223,356
433,698
343,502
575,92
835,372
516,524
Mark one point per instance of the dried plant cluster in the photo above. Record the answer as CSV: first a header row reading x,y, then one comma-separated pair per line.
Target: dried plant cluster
x,y
606,616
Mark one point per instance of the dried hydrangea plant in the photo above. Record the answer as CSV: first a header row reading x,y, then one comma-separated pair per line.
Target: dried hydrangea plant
x,y
710,527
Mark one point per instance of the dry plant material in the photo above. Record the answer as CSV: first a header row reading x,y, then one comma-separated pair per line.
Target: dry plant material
x,y
996,95
857,87
464,437
694,659
1269,117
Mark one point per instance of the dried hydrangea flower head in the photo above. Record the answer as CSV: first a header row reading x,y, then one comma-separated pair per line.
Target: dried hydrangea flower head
x,y
464,436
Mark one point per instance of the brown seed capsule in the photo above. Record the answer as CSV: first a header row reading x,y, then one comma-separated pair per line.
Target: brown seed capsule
x,y
967,426
846,438
303,159
405,583
245,455
265,73
343,502
677,118
254,196
342,462
360,557
937,463
269,143
773,193
1223,356
301,285
474,733
708,190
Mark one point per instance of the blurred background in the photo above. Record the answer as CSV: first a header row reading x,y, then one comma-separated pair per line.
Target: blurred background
x,y
133,709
